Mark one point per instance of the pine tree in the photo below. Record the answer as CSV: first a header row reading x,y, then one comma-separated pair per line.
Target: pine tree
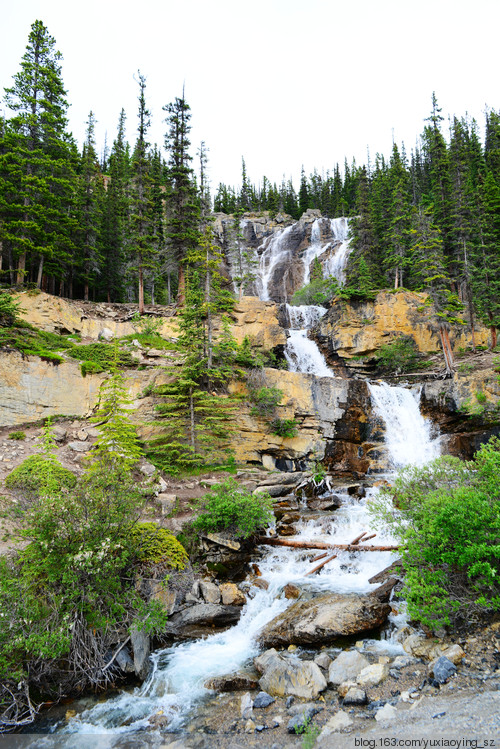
x,y
141,239
485,266
37,168
90,198
183,233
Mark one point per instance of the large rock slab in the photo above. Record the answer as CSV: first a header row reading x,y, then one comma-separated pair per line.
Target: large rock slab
x,y
191,621
324,619
283,676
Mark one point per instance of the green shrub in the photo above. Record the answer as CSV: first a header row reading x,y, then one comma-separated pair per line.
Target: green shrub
x,y
9,309
106,355
400,355
17,435
230,507
286,428
155,545
265,400
447,515
90,367
319,291
38,473
147,325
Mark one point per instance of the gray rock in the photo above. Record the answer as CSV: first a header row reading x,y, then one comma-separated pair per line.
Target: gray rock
x,y
401,661
140,645
336,723
386,713
59,433
232,683
210,592
79,447
124,661
443,669
263,699
323,660
310,709
147,469
373,675
355,696
346,666
323,619
246,705
289,676
181,624
106,335
167,502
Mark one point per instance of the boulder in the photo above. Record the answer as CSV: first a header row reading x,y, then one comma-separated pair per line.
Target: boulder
x,y
141,648
191,621
232,595
373,675
324,619
443,669
422,647
263,699
106,335
289,676
335,724
231,683
355,696
346,666
291,591
210,592
80,447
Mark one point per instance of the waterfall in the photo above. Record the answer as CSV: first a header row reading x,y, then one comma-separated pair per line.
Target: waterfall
x,y
408,437
302,353
335,263
275,251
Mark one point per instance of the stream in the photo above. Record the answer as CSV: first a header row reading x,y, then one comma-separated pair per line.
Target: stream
x,y
175,685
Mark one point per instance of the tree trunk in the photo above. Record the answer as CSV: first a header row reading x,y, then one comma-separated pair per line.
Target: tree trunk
x,y
40,273
169,291
141,290
493,333
191,416
86,291
267,541
448,356
152,292
181,292
209,318
21,268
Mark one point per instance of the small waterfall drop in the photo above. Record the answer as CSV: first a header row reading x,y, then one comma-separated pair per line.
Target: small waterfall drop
x,y
408,437
275,251
335,263
302,353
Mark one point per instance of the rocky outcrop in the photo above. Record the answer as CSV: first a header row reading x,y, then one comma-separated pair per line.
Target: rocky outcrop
x,y
323,619
359,329
332,417
259,321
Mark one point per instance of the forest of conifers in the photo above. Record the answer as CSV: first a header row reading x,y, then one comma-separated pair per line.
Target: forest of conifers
x,y
125,226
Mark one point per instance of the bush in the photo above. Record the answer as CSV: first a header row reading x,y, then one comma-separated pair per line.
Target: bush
x,y
319,291
17,435
286,428
9,309
447,515
232,508
399,355
38,473
158,546
265,400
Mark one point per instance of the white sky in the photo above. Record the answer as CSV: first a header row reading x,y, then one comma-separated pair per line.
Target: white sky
x,y
280,82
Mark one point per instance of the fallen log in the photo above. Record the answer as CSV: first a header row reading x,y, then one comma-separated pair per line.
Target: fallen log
x,y
319,556
358,538
321,564
266,541
367,538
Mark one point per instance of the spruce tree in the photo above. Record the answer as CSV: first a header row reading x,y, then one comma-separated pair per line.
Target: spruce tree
x,y
37,168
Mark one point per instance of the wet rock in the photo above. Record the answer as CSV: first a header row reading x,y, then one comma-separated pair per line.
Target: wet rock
x,y
336,723
373,675
324,504
261,583
231,683
187,623
346,666
291,591
159,720
220,540
443,669
276,490
289,676
141,648
323,619
232,595
124,661
287,530
355,696
263,699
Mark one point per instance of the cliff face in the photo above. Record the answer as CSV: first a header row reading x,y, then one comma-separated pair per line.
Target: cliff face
x,y
358,329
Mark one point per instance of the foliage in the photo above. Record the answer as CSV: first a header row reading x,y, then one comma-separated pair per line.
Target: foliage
x,y
19,435
319,291
447,515
9,309
265,400
147,325
286,428
37,473
232,508
400,355
103,354
155,545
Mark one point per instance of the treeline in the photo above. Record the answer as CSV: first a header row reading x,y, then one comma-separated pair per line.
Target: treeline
x,y
429,221
71,223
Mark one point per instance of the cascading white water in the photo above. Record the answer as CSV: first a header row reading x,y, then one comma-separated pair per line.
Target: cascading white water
x,y
275,251
335,264
408,435
302,353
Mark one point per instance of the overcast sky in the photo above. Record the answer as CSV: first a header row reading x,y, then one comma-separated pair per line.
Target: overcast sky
x,y
280,82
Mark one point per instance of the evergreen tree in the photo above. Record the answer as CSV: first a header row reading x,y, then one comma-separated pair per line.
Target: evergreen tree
x,y
485,265
141,239
37,167
303,193
183,231
90,197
